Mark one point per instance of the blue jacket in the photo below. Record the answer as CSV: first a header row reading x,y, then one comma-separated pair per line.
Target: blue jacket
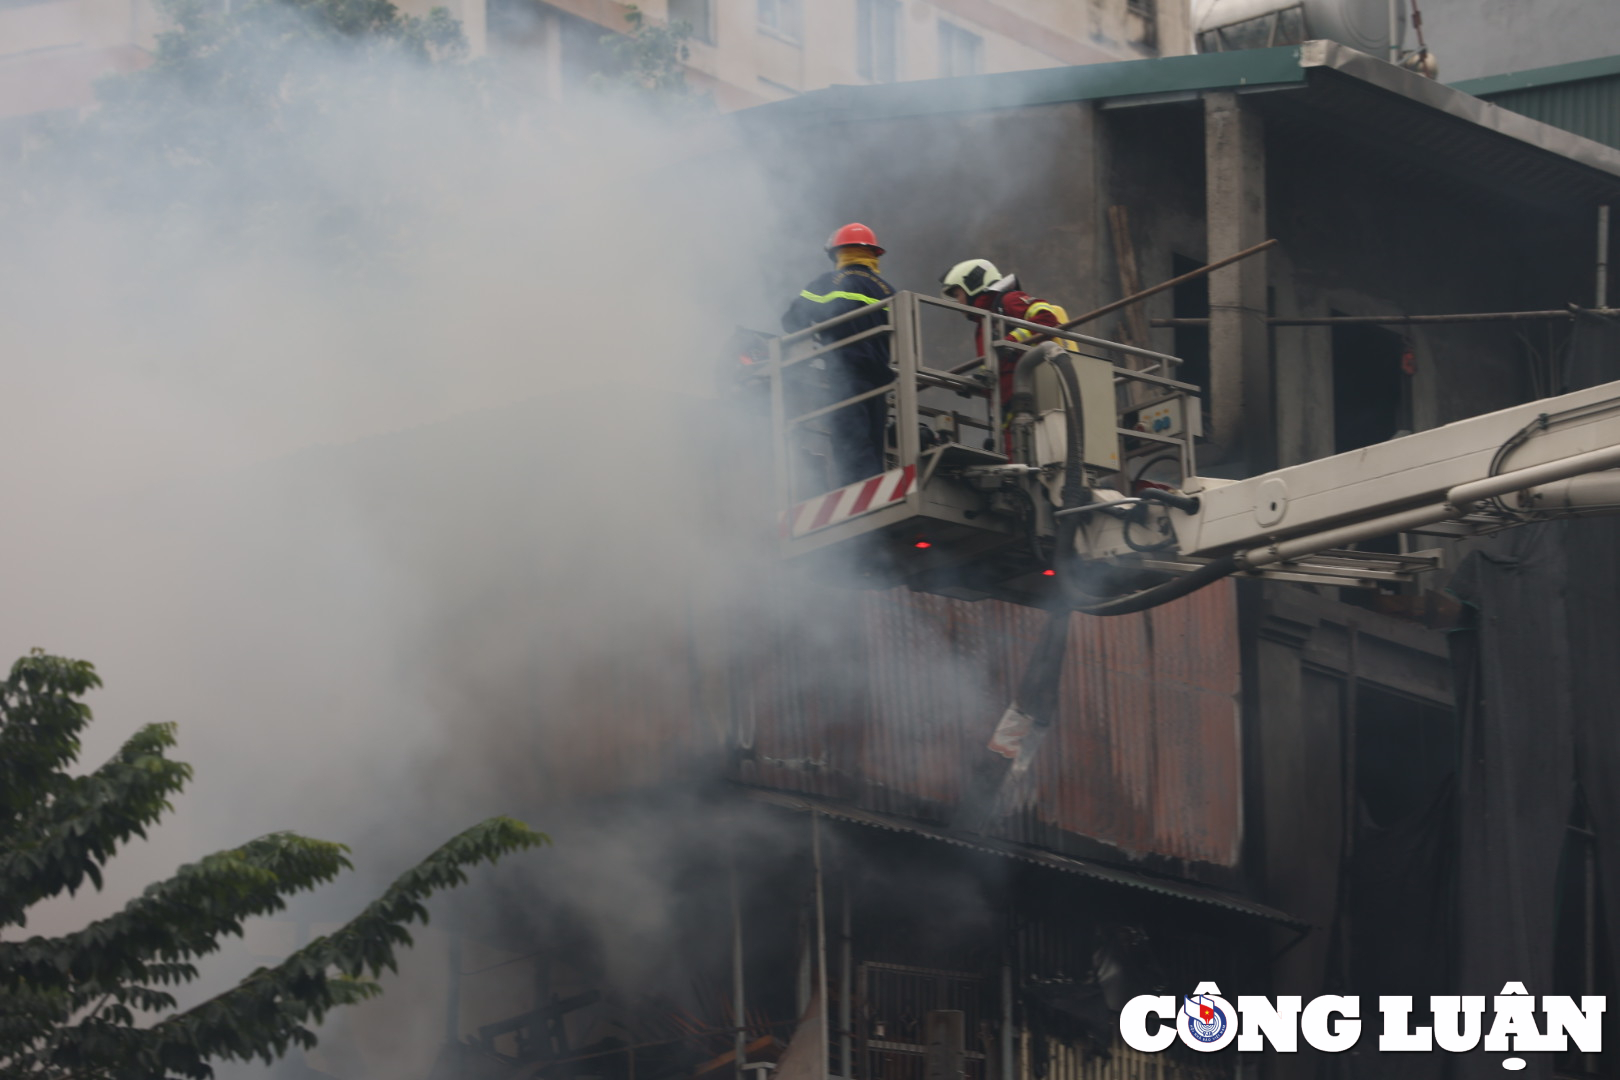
x,y
835,293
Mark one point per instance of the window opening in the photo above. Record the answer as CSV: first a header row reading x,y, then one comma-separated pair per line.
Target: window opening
x,y
1370,388
697,14
781,17
877,24
960,51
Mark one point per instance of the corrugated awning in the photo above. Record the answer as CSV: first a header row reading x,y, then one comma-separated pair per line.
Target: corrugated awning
x,y
1445,132
1321,87
1130,879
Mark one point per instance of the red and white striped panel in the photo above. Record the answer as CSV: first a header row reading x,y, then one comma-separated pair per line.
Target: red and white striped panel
x,y
861,497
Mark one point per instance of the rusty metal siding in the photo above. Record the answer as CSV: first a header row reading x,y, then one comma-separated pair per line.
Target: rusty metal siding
x,y
884,700
1146,747
887,699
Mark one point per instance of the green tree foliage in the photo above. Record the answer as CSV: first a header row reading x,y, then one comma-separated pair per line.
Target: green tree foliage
x,y
96,1003
650,63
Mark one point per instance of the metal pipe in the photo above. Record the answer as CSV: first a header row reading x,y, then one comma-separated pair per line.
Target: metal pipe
x,y
782,466
452,1011
1589,491
853,399
1409,320
1589,983
1006,1021
1464,496
826,347
1046,333
1603,257
907,444
739,1008
1288,550
821,940
1459,501
846,989
828,324
1154,290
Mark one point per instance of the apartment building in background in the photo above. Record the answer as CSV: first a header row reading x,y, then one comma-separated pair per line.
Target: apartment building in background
x,y
743,52
746,52
52,52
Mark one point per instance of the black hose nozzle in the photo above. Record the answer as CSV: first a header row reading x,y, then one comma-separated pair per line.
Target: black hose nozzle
x,y
1176,499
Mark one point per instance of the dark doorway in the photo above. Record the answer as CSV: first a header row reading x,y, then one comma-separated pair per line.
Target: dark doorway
x,y
1369,386
1405,749
1190,300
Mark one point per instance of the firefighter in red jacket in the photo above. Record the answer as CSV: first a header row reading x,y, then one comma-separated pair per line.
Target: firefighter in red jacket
x,y
979,284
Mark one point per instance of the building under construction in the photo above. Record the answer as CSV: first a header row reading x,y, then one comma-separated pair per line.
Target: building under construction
x,y
1330,784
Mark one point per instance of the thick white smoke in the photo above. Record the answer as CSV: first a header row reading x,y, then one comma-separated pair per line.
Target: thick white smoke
x,y
380,453
367,451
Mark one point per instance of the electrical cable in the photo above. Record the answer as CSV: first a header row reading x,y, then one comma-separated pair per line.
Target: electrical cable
x,y
1133,519
1066,560
1152,597
1031,522
1542,423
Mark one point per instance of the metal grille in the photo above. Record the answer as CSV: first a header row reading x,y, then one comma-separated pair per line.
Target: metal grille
x,y
1126,1064
895,1003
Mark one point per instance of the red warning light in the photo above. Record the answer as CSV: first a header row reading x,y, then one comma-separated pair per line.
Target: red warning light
x,y
1049,573
922,544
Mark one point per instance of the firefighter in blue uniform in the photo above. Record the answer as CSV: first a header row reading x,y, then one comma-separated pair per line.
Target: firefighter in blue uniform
x,y
857,433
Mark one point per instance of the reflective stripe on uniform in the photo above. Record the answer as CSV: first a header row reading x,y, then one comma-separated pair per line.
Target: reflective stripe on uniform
x,y
822,298
1058,314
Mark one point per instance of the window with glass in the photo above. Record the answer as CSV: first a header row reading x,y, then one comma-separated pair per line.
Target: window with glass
x,y
781,17
961,52
697,15
1143,19
877,28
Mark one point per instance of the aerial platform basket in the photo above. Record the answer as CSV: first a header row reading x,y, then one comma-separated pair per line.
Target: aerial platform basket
x,y
964,507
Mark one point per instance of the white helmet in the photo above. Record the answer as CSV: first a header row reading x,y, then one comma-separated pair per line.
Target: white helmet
x,y
972,277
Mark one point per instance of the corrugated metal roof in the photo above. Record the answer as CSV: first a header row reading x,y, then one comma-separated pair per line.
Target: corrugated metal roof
x,y
886,700
1042,86
1112,875
1332,88
1582,98
1424,102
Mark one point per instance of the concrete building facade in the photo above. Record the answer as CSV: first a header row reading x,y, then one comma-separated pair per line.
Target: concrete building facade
x,y
1285,789
750,51
52,53
1389,195
743,52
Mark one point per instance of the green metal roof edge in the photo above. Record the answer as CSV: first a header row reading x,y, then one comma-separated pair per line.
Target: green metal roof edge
x,y
1546,76
1042,86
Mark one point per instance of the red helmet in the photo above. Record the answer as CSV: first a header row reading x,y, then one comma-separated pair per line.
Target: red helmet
x,y
853,233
